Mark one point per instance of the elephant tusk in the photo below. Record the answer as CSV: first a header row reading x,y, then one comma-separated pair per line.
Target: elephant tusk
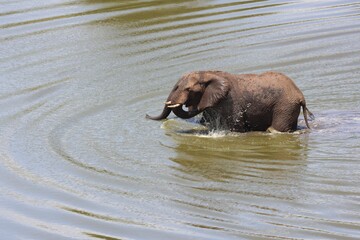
x,y
174,105
168,102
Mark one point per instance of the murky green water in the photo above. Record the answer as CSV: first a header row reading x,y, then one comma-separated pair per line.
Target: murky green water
x,y
78,159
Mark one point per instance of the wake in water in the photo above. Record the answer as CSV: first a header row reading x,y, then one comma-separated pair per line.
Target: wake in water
x,y
332,121
337,121
194,127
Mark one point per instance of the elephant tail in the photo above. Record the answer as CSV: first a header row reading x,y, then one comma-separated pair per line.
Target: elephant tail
x,y
306,113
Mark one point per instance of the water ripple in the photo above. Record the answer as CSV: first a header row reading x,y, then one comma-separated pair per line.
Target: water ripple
x,y
79,160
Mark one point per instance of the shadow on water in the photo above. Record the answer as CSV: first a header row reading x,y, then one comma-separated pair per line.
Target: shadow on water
x,y
222,156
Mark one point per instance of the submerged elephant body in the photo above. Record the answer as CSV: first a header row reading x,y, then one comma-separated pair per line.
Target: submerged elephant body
x,y
241,103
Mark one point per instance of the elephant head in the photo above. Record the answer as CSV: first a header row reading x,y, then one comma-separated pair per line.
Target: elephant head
x,y
196,91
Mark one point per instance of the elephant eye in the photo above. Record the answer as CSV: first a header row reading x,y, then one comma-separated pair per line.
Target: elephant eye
x,y
203,84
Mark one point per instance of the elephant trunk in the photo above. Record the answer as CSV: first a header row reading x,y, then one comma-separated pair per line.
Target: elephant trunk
x,y
179,111
165,113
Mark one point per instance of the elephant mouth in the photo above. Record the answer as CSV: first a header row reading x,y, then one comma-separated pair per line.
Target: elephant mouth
x,y
191,108
178,110
169,105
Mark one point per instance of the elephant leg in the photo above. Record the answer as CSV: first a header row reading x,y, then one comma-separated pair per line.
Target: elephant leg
x,y
285,120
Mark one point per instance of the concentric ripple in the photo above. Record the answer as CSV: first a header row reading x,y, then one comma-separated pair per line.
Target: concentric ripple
x,y
78,159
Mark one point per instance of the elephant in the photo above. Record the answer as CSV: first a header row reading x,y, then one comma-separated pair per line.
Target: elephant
x,y
238,102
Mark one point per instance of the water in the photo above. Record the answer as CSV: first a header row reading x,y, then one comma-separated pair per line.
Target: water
x,y
78,159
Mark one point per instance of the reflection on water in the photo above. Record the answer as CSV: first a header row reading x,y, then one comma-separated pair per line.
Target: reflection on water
x,y
219,156
79,160
255,164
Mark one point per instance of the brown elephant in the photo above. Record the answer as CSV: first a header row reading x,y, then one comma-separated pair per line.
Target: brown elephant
x,y
246,102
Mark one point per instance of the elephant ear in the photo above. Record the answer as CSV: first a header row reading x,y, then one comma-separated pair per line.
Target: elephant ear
x,y
216,88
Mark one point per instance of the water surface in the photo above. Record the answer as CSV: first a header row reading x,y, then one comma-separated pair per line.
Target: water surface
x,y
78,159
